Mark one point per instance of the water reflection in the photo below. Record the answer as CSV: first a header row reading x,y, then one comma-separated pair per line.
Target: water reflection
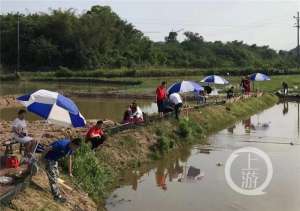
x,y
231,129
285,109
247,125
173,182
191,175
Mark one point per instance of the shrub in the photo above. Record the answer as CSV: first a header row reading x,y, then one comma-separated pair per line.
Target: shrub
x,y
164,144
91,175
63,72
184,129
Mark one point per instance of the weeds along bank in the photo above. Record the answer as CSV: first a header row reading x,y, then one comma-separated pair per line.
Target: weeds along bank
x,y
98,172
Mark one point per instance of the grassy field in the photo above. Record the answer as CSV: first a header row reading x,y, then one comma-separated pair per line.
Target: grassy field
x,y
146,85
149,84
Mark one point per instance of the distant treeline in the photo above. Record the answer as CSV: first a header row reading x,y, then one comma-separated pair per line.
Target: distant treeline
x,y
99,38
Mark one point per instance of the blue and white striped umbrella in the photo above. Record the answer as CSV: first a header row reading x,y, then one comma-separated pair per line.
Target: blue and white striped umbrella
x,y
54,107
259,77
215,79
184,86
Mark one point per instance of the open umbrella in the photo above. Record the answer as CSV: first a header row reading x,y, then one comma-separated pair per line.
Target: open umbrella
x,y
54,107
259,77
184,86
215,79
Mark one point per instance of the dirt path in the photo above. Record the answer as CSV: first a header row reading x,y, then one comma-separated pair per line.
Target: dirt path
x,y
8,101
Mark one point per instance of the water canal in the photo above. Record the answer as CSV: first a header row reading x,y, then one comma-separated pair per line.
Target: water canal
x,y
193,178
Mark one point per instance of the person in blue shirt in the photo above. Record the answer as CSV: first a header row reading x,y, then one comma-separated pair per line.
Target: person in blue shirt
x,y
56,151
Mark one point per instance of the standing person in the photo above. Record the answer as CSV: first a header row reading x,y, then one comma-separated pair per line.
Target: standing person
x,y
242,85
20,133
247,85
176,100
161,96
285,88
56,151
96,135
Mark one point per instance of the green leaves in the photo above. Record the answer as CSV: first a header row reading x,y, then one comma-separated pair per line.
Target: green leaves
x,y
99,38
91,175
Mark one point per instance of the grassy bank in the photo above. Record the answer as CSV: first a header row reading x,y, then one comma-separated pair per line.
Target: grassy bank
x,y
155,72
97,173
149,84
89,80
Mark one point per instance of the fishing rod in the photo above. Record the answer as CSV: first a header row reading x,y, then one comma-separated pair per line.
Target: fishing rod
x,y
271,142
293,140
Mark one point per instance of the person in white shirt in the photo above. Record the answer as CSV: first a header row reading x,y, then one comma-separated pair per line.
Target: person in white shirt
x,y
176,100
137,113
20,133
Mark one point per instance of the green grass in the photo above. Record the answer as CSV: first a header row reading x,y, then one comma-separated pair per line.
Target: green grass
x,y
149,84
153,71
92,175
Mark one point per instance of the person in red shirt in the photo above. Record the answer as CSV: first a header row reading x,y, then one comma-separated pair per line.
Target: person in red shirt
x,y
96,135
161,96
247,86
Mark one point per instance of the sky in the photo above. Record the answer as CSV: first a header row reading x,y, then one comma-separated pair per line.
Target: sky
x,y
261,22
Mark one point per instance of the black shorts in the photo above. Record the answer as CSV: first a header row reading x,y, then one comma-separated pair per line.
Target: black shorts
x,y
160,106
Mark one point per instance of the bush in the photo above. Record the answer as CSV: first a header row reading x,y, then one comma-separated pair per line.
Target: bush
x,y
63,72
91,175
10,77
164,144
184,129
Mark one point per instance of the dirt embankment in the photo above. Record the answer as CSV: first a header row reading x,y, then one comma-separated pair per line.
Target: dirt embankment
x,y
37,195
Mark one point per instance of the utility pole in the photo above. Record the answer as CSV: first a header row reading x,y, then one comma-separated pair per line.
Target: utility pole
x,y
18,41
297,26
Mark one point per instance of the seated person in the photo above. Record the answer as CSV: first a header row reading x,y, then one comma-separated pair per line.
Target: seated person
x,y
137,114
230,93
127,115
133,114
96,135
200,96
20,133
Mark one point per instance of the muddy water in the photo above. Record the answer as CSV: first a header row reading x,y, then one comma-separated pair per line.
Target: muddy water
x,y
194,179
92,108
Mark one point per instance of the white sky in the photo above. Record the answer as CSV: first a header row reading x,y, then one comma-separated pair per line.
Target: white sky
x,y
261,22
